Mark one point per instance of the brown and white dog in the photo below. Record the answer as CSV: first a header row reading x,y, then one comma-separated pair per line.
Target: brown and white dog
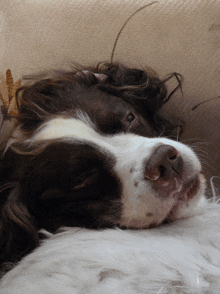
x,y
90,150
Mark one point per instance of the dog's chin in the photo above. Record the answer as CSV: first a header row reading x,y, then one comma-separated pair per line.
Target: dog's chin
x,y
189,199
190,188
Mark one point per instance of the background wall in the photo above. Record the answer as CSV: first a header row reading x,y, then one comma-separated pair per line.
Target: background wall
x,y
169,35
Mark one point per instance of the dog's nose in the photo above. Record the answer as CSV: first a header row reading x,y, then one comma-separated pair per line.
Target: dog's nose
x,y
165,163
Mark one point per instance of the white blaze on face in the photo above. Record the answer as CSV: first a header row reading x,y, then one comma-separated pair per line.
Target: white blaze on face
x,y
66,128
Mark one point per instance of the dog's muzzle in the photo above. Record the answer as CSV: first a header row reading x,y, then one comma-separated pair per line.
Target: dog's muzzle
x,y
165,170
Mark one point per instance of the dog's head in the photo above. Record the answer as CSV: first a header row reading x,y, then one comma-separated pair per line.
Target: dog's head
x,y
88,152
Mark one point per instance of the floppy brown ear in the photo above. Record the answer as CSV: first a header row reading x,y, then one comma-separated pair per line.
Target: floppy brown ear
x,y
18,235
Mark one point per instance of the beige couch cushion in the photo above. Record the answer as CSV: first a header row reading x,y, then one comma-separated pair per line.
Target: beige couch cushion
x,y
169,35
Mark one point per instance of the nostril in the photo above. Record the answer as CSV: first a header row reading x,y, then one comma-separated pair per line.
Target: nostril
x,y
172,157
162,171
171,153
164,163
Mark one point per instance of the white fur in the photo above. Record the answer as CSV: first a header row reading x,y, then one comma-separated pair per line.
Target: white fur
x,y
180,257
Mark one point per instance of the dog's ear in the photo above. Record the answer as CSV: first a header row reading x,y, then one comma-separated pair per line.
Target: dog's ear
x,y
46,94
145,91
39,101
18,234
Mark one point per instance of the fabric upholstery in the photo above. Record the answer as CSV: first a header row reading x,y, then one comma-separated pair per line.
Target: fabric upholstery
x,y
168,35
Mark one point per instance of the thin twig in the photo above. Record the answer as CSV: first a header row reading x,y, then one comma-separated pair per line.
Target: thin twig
x,y
122,28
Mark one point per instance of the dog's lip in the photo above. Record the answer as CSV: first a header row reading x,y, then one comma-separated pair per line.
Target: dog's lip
x,y
190,188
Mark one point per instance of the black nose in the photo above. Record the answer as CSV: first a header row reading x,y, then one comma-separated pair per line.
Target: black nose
x,y
165,163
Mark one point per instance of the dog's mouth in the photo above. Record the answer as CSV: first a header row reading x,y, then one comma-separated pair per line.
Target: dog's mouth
x,y
179,188
189,189
186,200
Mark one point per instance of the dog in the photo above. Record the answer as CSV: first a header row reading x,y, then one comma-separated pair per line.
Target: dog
x,y
91,150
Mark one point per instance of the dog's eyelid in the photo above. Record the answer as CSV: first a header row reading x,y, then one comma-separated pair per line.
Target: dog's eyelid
x,y
85,179
128,120
130,117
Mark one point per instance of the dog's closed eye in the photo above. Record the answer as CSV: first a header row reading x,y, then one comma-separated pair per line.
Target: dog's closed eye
x,y
86,178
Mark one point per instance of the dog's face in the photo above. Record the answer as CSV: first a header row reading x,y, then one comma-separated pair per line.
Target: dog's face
x,y
84,178
84,155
